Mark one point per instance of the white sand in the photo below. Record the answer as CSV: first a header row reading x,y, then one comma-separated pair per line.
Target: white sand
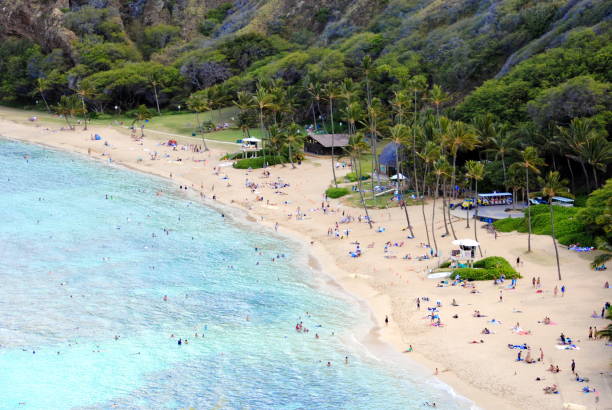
x,y
486,373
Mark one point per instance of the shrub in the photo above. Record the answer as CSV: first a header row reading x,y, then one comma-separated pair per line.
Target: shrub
x,y
336,192
488,269
352,177
258,162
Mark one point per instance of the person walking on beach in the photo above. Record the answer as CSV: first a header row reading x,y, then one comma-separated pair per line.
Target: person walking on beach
x,y
590,333
562,290
386,320
418,303
518,260
501,296
573,366
556,290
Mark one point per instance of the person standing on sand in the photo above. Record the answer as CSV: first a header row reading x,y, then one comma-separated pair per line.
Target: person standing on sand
x,y
386,320
562,290
518,260
573,366
590,333
556,290
418,303
501,296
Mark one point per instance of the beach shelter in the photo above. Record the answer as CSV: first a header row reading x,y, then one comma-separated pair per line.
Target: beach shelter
x,y
396,176
251,142
388,158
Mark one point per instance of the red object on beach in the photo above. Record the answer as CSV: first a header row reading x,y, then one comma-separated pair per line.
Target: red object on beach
x,y
539,291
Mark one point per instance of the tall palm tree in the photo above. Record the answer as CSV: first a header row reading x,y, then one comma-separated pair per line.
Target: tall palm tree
x,y
597,152
244,102
293,138
551,186
316,93
331,92
437,96
141,114
398,135
155,83
401,104
530,161
459,136
199,102
84,93
440,168
42,85
276,140
579,131
501,145
429,154
68,106
355,149
475,171
262,100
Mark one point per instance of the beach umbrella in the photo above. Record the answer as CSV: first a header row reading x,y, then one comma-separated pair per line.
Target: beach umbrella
x,y
465,242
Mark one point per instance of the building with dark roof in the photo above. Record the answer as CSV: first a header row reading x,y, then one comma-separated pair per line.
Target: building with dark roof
x,y
321,144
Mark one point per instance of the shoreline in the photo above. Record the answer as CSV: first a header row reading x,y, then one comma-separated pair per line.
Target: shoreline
x,y
355,280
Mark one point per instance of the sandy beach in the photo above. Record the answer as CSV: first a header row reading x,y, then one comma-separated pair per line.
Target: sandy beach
x,y
487,373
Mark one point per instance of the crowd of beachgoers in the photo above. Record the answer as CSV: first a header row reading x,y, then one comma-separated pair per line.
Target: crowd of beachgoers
x,y
506,343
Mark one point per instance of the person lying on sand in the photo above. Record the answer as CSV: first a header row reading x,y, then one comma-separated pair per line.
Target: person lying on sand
x,y
551,389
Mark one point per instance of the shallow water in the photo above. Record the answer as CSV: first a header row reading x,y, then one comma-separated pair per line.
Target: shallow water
x,y
77,269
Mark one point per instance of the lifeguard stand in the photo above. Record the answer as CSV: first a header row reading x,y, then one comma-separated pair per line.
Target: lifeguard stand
x,y
466,252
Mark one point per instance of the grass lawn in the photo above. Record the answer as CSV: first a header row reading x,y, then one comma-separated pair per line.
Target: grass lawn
x,y
181,124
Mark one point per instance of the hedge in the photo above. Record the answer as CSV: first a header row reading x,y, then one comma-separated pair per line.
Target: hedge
x,y
569,229
352,177
336,192
488,269
258,162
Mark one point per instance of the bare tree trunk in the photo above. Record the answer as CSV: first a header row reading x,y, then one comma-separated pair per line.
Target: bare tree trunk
x,y
444,206
333,162
571,170
595,177
45,100
452,187
552,226
586,176
476,216
433,214
156,99
423,207
528,211
365,207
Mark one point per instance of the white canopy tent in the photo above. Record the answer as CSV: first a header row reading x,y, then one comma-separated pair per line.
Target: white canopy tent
x,y
466,242
396,176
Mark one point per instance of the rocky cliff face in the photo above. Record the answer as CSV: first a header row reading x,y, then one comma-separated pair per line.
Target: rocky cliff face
x,y
39,21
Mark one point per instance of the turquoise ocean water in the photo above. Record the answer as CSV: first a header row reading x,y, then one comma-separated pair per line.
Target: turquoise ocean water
x,y
77,269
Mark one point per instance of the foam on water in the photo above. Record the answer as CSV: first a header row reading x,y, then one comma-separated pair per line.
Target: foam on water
x,y
77,269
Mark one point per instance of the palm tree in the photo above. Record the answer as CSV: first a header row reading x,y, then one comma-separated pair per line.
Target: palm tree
x,y
293,138
68,106
551,186
437,96
84,93
331,92
597,152
262,100
199,102
475,171
154,83
276,140
42,85
141,114
355,149
607,332
315,90
399,134
244,102
501,145
400,103
429,154
579,131
440,168
459,136
530,161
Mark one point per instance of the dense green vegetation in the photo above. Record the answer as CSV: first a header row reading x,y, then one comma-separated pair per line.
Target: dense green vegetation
x,y
336,192
488,269
590,225
514,96
569,228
